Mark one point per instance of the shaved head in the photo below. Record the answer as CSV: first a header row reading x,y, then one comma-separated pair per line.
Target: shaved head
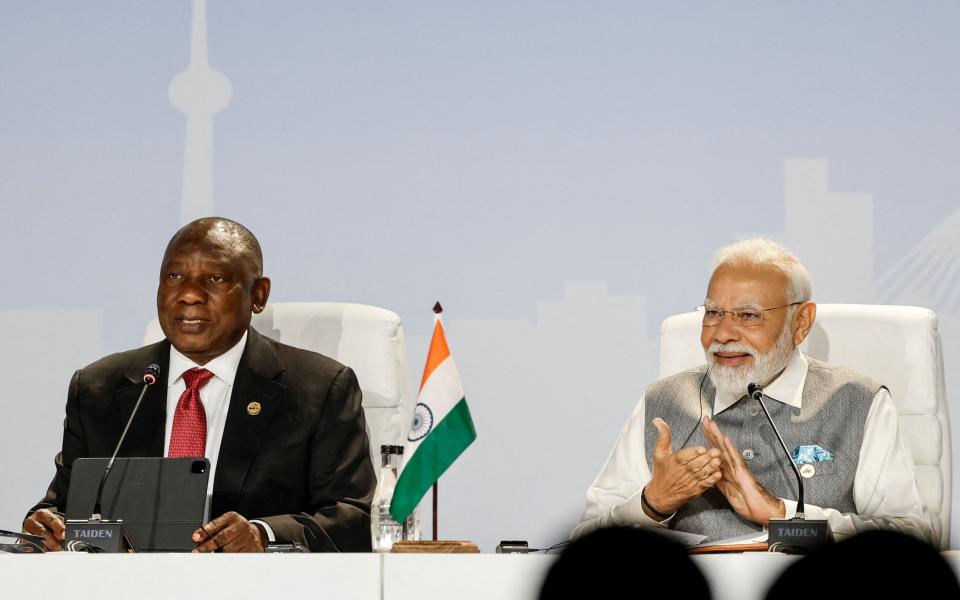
x,y
211,284
225,234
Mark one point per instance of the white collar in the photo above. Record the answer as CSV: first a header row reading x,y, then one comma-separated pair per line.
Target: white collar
x,y
224,366
787,388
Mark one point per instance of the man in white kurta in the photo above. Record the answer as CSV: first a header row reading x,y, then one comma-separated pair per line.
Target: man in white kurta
x,y
698,455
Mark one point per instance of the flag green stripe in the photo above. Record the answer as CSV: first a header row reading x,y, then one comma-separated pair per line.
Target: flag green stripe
x,y
435,454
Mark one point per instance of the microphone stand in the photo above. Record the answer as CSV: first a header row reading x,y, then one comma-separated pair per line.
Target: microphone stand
x,y
97,534
799,534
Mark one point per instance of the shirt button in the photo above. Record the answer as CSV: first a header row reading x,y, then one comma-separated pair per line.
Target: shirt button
x,y
747,454
754,411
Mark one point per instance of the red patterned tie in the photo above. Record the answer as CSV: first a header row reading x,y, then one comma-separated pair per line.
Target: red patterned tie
x,y
189,436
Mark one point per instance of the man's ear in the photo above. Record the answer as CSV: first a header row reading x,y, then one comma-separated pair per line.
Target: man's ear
x,y
261,292
803,322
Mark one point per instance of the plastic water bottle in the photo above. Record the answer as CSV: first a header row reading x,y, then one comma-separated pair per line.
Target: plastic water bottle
x,y
385,530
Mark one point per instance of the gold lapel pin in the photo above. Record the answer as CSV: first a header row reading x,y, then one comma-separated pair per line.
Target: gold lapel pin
x,y
253,409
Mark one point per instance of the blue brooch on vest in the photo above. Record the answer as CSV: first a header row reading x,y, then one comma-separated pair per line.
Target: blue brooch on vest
x,y
807,455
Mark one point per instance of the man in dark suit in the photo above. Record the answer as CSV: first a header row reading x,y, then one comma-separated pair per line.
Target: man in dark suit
x,y
282,427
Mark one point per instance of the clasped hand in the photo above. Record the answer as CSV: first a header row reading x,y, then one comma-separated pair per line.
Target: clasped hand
x,y
741,489
681,475
689,472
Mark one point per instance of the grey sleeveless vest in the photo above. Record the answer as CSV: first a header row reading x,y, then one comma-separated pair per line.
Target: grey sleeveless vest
x,y
835,406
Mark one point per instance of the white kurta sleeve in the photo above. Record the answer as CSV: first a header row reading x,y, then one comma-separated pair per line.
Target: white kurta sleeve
x,y
885,485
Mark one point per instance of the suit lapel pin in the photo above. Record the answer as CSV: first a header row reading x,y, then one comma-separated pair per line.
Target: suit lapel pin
x,y
253,409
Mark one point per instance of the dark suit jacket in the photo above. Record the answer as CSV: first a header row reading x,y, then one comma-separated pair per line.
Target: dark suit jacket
x,y
302,465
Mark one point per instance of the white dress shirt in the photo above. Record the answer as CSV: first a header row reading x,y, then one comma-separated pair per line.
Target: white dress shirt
x,y
884,483
215,397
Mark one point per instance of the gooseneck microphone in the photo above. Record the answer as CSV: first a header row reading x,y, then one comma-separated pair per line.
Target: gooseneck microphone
x,y
150,376
799,534
756,392
97,534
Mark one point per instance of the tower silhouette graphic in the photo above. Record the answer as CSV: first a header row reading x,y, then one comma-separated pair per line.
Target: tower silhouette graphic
x,y
199,92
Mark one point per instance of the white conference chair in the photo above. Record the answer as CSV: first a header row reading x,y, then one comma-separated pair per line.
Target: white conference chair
x,y
898,346
367,339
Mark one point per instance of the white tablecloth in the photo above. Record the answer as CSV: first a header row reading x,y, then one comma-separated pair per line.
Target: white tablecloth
x,y
337,577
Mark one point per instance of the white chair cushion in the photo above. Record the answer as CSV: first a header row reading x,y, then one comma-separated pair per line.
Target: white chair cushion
x,y
367,339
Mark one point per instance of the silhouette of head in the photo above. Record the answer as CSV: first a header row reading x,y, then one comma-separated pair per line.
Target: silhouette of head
x,y
881,564
606,562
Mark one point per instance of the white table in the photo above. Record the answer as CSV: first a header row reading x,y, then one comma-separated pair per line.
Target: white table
x,y
339,577
518,577
191,576
464,576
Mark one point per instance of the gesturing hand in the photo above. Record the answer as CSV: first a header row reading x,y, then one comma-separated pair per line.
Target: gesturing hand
x,y
230,532
681,475
738,485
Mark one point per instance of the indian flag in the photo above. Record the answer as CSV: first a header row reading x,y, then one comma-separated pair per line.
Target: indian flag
x,y
441,429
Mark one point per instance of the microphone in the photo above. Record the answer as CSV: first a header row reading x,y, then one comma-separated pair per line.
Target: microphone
x,y
150,376
797,534
756,392
112,533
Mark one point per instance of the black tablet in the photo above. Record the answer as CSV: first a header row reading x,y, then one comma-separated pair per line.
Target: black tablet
x,y
160,500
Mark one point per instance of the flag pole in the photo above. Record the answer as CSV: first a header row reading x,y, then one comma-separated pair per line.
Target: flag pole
x,y
434,512
437,310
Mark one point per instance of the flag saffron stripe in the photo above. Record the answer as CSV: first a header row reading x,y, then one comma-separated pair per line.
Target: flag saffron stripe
x,y
437,354
434,455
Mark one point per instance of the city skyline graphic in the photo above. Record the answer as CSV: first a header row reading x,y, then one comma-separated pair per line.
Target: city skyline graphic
x,y
553,371
590,355
199,92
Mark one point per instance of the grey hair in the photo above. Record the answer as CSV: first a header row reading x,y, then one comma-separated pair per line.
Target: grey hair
x,y
761,251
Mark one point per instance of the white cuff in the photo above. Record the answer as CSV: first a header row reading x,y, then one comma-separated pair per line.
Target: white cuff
x,y
270,536
631,512
810,511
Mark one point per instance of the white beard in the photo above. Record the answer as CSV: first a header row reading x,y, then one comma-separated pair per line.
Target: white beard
x,y
734,380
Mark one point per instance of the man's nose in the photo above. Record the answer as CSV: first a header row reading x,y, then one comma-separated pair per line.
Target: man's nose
x,y
727,330
191,293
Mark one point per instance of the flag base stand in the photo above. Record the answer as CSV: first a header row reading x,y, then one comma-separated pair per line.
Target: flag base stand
x,y
436,547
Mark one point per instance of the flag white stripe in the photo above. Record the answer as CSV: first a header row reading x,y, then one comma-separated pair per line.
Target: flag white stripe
x,y
440,392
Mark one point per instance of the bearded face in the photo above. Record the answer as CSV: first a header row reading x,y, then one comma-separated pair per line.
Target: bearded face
x,y
763,367
750,325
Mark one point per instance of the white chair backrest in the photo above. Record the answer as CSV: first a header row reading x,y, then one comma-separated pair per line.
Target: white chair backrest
x,y
898,346
365,338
